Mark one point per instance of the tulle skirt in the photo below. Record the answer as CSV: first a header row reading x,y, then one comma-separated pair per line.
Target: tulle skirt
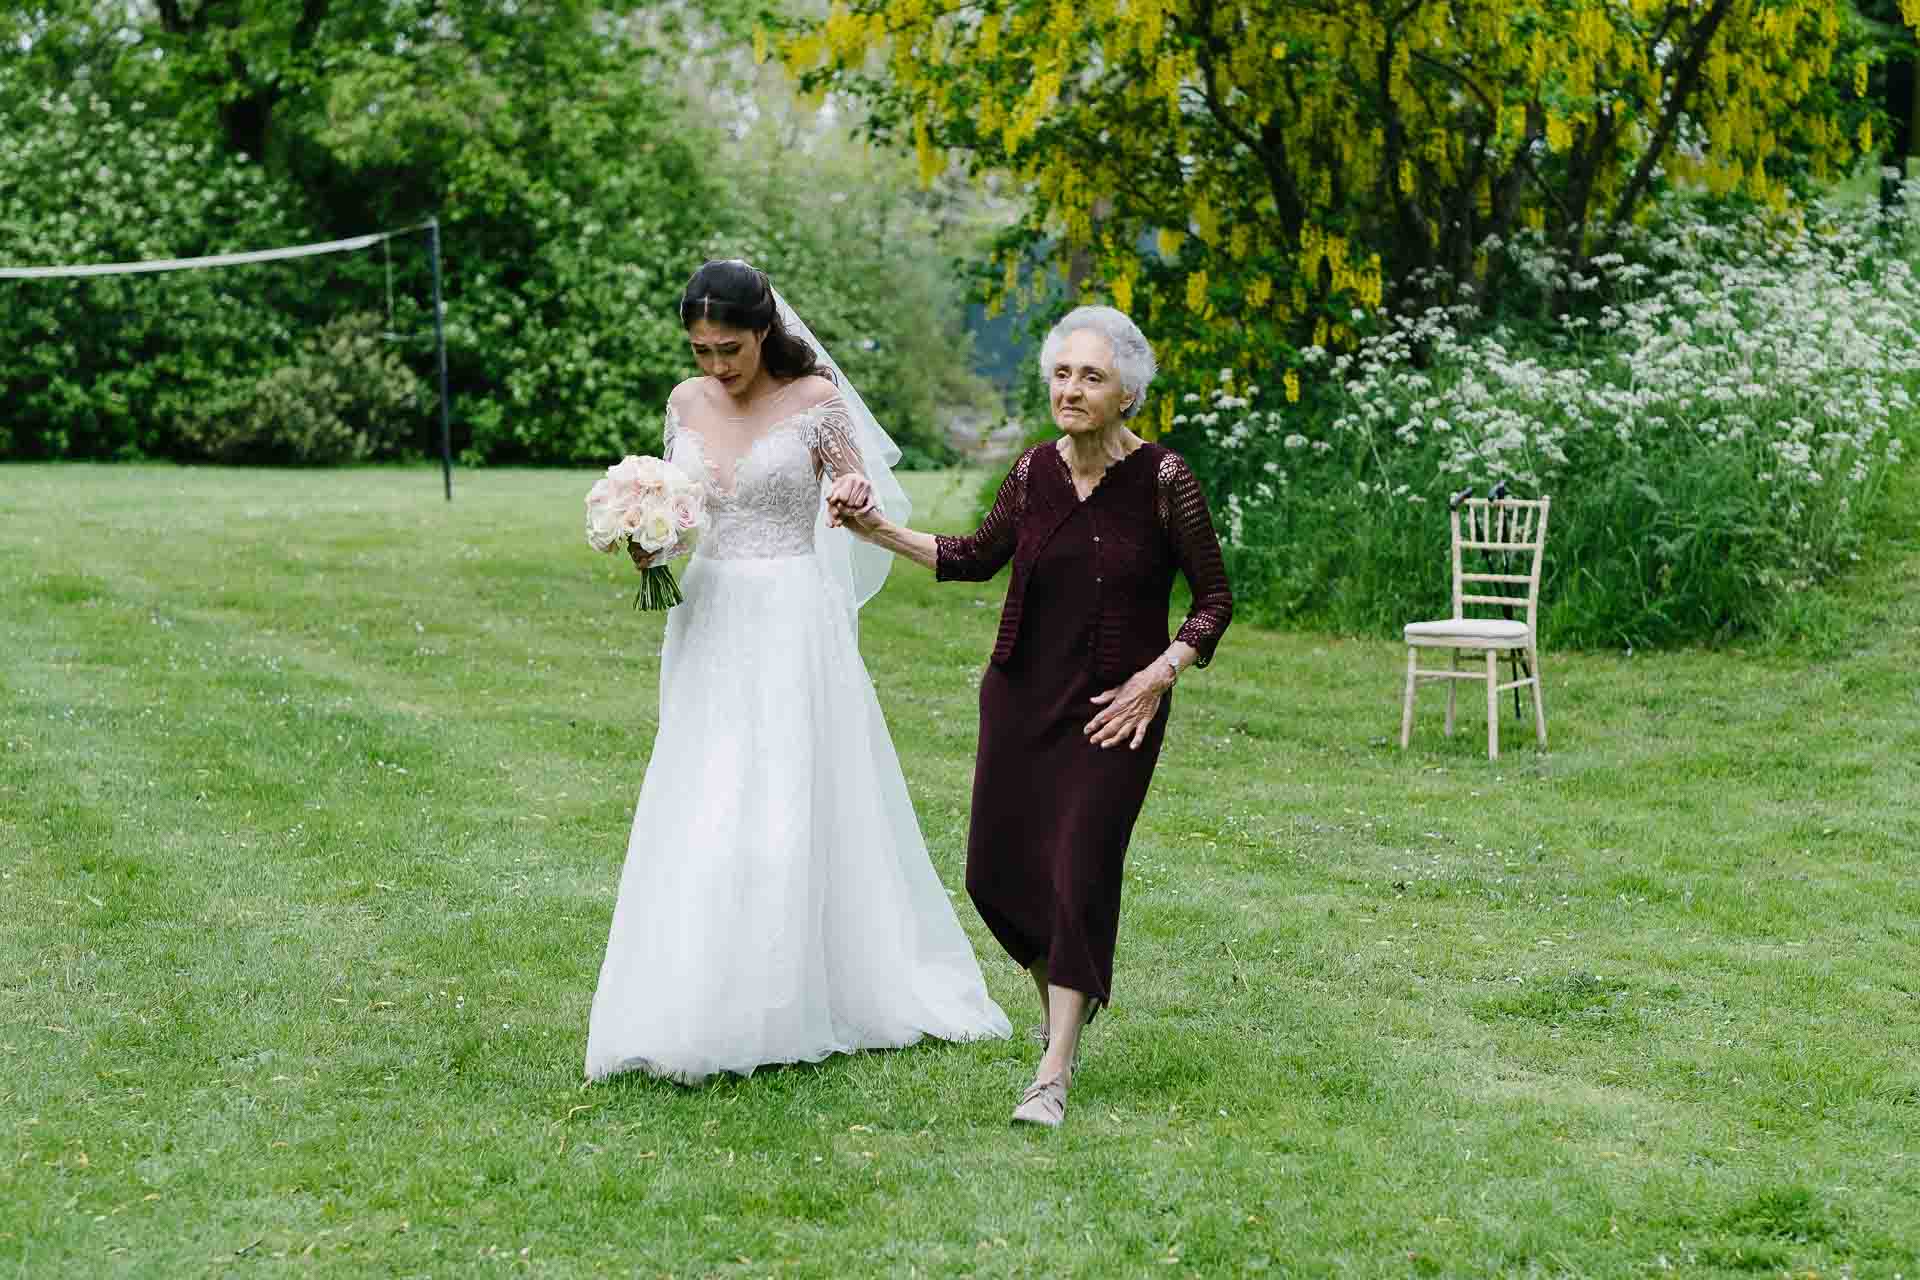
x,y
777,903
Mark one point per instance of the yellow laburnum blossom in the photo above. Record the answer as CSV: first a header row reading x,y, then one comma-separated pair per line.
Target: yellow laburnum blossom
x,y
1240,241
759,46
1406,176
987,115
1860,79
1559,133
1166,414
1259,291
1064,20
1292,382
1168,242
1206,221
1866,137
1148,17
801,53
1197,292
987,45
931,159
1166,80
1320,332
846,34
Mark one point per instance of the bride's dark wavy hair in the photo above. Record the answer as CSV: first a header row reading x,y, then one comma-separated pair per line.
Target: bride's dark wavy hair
x,y
740,296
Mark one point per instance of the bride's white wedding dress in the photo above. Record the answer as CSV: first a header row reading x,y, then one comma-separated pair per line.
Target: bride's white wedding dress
x,y
777,903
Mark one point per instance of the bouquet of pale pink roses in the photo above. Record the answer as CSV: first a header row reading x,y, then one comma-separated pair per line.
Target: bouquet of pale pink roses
x,y
652,504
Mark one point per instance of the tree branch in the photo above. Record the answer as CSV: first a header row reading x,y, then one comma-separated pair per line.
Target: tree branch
x,y
1268,147
1679,91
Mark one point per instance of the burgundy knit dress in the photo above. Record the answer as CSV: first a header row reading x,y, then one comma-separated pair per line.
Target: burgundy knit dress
x,y
1086,609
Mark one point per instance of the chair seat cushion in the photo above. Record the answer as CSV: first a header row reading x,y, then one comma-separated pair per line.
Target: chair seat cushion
x,y
1467,631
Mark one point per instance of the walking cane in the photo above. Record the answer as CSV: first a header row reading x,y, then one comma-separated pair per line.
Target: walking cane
x,y
1517,656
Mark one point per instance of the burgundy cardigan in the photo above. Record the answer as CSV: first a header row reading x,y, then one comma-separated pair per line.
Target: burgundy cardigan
x,y
1155,523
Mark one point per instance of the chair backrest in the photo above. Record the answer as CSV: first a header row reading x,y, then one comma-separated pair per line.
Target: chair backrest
x,y
1505,533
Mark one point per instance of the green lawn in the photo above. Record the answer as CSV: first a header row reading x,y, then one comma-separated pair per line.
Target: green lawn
x,y
314,788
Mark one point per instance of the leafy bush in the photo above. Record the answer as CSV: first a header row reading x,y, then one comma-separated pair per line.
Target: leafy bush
x,y
1714,430
101,367
574,198
346,397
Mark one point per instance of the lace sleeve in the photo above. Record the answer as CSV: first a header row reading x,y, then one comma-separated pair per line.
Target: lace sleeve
x,y
830,435
979,555
1182,510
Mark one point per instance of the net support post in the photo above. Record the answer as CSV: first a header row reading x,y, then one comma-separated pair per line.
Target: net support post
x,y
440,358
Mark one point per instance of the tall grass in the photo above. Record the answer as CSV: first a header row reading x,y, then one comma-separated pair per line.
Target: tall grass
x,y
1715,414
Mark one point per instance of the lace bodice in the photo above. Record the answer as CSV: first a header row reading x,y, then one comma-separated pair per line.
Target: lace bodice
x,y
767,503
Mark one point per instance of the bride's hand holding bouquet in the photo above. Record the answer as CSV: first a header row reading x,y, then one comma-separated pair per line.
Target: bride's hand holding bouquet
x,y
653,510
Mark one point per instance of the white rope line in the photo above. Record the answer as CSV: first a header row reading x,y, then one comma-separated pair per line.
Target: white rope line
x,y
211,260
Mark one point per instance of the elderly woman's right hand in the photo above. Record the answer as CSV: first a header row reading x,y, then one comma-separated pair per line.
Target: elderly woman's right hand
x,y
641,559
860,522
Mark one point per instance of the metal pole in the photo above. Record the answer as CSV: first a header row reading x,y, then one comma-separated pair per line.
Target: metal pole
x,y
440,357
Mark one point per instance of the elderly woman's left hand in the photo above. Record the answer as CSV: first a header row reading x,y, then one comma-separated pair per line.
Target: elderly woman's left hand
x,y
1127,711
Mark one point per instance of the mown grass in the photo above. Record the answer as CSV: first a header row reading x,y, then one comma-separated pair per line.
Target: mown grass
x,y
313,790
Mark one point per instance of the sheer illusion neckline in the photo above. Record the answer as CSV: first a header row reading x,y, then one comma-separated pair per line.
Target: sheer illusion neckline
x,y
1066,470
773,431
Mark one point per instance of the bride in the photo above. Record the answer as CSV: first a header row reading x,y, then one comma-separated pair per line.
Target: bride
x,y
777,903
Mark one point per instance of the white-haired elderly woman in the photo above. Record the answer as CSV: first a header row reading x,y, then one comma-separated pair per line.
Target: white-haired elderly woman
x,y
1075,700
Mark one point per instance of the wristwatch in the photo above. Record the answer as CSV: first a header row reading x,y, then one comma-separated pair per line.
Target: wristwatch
x,y
1172,665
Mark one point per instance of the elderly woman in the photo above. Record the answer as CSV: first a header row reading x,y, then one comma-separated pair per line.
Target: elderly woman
x,y
1075,701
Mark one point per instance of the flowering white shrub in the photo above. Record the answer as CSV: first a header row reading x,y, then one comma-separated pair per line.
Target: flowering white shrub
x,y
1713,416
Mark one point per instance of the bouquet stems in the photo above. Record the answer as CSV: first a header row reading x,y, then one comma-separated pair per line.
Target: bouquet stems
x,y
658,590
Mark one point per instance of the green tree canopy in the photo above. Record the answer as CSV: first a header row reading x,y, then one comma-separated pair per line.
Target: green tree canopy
x,y
1253,175
575,187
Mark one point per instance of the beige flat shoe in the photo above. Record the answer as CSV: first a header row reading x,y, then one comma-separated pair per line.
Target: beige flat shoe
x,y
1044,1103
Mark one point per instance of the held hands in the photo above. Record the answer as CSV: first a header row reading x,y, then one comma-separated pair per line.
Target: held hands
x,y
1127,711
641,559
850,502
